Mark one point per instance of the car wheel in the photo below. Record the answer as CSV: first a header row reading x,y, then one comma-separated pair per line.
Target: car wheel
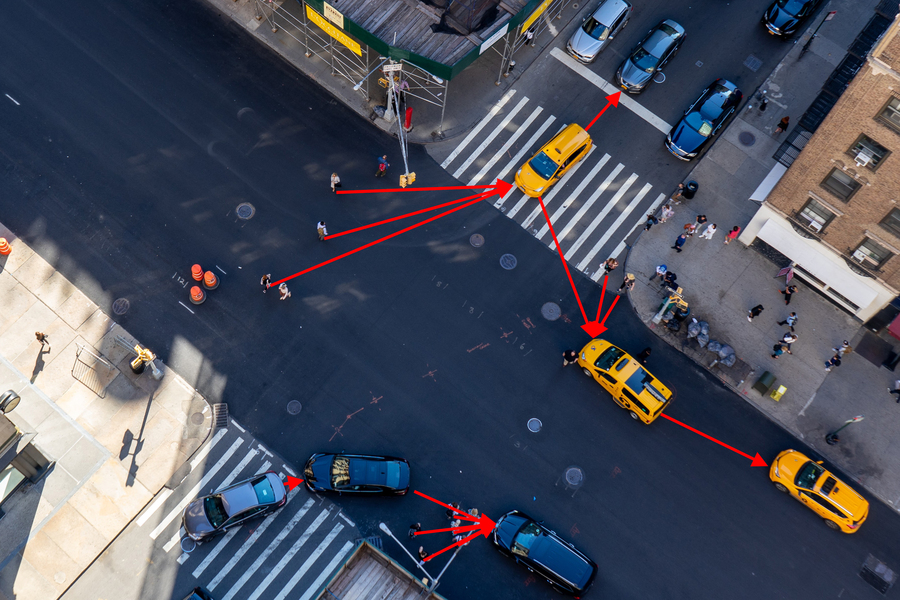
x,y
587,372
634,416
781,487
832,525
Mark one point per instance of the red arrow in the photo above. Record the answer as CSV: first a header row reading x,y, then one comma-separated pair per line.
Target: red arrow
x,y
611,100
596,327
501,188
292,482
461,542
757,460
484,526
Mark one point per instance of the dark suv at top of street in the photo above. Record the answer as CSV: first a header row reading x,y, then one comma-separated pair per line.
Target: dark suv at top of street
x,y
785,17
650,56
546,554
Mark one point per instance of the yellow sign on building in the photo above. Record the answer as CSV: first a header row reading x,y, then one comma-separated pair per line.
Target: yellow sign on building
x,y
333,31
537,12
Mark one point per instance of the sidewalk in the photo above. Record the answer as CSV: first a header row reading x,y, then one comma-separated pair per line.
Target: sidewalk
x,y
721,283
114,438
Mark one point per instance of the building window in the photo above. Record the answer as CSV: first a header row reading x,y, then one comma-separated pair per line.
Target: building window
x,y
892,222
867,152
871,254
840,184
816,215
890,114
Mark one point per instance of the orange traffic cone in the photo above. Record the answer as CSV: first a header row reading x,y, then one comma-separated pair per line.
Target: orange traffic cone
x,y
4,247
198,296
209,280
197,272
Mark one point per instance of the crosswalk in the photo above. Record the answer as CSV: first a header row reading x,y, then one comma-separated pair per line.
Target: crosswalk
x,y
288,555
594,209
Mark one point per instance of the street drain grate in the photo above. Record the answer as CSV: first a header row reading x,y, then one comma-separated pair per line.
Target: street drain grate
x,y
508,262
477,240
753,63
746,138
245,210
220,415
294,407
121,306
877,574
551,311
574,476
374,541
534,425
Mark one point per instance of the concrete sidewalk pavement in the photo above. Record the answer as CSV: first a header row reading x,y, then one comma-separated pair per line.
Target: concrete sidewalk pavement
x,y
722,282
113,438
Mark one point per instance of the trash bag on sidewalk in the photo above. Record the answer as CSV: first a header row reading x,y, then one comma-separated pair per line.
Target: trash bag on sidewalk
x,y
673,325
704,328
703,339
728,360
725,350
714,346
693,330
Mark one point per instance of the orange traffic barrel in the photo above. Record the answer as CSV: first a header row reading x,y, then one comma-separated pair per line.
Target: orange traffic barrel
x,y
209,280
4,247
198,296
197,272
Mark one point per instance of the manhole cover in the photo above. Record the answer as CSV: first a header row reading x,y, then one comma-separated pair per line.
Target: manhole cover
x,y
746,138
477,240
121,306
508,262
574,476
188,545
753,63
551,311
197,418
534,425
294,407
245,210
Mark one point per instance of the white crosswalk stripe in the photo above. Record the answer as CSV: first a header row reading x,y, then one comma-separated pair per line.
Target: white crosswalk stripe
x,y
505,148
491,114
490,138
625,214
307,564
506,172
584,237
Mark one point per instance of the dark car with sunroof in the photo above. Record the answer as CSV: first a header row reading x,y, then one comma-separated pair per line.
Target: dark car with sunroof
x,y
703,119
229,507
356,474
650,56
543,552
785,17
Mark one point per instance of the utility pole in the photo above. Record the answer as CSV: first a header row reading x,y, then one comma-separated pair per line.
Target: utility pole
x,y
832,438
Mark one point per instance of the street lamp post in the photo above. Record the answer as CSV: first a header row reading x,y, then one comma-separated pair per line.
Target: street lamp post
x,y
832,438
432,582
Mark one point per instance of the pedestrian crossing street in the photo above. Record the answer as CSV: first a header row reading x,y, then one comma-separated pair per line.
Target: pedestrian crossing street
x,y
594,208
290,554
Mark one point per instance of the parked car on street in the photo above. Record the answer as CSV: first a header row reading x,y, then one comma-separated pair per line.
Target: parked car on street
x,y
544,553
356,474
650,56
589,40
809,482
556,158
211,515
703,119
785,17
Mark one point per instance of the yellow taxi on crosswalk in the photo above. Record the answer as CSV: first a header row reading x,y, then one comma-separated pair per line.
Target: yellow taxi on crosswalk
x,y
556,158
809,482
632,387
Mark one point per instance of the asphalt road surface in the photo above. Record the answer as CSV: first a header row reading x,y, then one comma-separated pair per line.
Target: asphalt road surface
x,y
138,131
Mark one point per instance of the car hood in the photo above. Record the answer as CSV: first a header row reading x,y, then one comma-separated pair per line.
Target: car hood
x,y
528,181
789,464
585,45
404,475
685,138
633,76
318,471
506,529
780,19
195,520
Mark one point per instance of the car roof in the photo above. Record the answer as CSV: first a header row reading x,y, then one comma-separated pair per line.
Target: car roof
x,y
565,142
556,555
239,498
608,11
659,41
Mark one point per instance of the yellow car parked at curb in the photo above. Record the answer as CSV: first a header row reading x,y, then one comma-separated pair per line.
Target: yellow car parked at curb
x,y
632,387
810,483
553,160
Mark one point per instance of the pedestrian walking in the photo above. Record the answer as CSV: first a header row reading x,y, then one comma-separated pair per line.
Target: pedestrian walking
x,y
450,512
790,321
42,338
285,292
834,362
689,229
778,350
788,339
788,292
610,265
661,271
843,349
382,166
265,281
668,280
529,37
414,529
699,222
627,284
763,105
680,242
335,182
709,231
896,390
651,221
643,356
732,234
783,125
422,554
754,312
666,213
678,194
569,357
320,227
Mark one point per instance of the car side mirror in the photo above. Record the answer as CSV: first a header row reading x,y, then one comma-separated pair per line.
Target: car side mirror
x,y
819,462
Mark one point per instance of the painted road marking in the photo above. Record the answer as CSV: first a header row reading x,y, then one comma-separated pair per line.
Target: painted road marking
x,y
557,187
536,212
659,200
490,138
620,193
306,565
518,157
615,226
590,202
491,113
505,148
327,571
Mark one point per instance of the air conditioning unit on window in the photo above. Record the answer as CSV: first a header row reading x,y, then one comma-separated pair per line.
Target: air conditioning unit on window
x,y
863,159
860,256
815,226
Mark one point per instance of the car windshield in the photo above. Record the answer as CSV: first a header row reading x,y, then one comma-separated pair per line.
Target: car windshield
x,y
543,165
340,472
793,7
696,122
644,61
596,29
264,492
525,538
215,511
393,474
808,475
608,358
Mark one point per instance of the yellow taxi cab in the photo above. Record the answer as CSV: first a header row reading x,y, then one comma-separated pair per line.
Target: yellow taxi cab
x,y
631,385
810,483
554,160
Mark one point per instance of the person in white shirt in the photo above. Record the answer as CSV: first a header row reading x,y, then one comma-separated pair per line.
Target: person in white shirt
x,y
709,231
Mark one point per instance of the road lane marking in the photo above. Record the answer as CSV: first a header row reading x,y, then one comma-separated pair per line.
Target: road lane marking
x,y
306,565
615,226
652,209
251,454
620,193
518,157
204,451
159,501
505,148
588,204
490,138
491,114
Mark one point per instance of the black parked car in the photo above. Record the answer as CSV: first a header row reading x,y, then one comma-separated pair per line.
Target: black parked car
x,y
650,56
785,17
356,474
211,515
544,553
703,119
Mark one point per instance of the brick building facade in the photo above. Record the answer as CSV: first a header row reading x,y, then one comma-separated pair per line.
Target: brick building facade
x,y
835,213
